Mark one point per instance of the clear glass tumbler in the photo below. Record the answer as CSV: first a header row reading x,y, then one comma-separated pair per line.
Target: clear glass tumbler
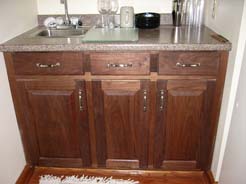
x,y
104,8
114,6
190,6
194,12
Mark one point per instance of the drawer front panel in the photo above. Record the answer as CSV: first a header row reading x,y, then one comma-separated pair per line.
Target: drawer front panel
x,y
120,63
188,63
55,63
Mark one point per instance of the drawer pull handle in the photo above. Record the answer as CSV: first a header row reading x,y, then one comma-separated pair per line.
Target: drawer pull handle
x,y
119,65
162,100
81,100
40,65
188,65
145,100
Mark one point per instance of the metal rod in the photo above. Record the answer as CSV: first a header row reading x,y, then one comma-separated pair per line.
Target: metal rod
x,y
67,18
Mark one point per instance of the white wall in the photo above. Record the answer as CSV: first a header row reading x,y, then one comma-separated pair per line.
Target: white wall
x,y
228,23
233,165
90,6
15,17
233,169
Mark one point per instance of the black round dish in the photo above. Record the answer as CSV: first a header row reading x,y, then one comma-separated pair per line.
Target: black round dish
x,y
147,20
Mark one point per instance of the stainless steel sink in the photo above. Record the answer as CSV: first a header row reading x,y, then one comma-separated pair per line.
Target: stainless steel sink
x,y
62,33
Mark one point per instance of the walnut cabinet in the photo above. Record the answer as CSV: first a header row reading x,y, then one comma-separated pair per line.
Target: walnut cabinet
x,y
130,110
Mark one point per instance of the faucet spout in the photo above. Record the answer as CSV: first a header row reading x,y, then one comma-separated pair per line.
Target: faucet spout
x,y
67,18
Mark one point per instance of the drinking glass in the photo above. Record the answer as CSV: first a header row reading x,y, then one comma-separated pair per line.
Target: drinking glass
x,y
114,6
195,12
104,7
190,6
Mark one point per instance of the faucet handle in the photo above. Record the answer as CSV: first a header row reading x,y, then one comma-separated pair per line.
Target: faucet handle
x,y
74,21
50,22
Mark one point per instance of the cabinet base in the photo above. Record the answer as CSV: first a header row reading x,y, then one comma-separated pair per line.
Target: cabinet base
x,y
31,175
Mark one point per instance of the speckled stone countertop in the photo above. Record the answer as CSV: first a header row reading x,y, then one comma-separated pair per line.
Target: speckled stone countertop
x,y
164,38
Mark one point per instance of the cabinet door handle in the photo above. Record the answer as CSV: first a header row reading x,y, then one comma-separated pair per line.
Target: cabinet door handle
x,y
81,107
40,65
145,100
162,98
188,65
119,65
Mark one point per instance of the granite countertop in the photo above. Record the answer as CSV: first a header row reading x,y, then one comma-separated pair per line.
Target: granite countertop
x,y
165,37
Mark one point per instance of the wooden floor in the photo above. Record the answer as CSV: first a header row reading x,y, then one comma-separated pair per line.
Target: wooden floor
x,y
31,175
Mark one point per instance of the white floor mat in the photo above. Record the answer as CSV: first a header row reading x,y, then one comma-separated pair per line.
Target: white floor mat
x,y
50,179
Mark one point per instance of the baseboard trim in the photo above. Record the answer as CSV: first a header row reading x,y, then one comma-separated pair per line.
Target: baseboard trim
x,y
25,175
29,172
210,177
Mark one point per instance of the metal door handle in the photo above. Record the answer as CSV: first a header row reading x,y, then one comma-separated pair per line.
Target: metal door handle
x,y
81,100
40,65
162,100
188,65
145,100
119,65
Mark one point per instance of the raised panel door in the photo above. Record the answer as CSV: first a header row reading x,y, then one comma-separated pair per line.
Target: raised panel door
x,y
56,116
121,112
182,121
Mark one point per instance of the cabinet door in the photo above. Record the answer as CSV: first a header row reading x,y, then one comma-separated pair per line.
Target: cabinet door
x,y
56,122
121,111
183,122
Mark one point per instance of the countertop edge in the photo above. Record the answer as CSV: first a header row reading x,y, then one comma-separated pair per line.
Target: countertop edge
x,y
116,47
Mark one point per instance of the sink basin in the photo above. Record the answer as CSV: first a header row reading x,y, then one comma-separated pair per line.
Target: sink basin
x,y
63,33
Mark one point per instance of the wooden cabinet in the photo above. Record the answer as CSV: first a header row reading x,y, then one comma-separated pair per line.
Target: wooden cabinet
x,y
121,110
184,112
51,63
188,63
143,110
55,118
120,63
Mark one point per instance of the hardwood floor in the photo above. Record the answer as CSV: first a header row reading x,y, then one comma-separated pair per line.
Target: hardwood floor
x,y
31,175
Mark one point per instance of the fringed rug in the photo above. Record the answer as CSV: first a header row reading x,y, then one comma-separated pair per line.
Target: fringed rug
x,y
50,179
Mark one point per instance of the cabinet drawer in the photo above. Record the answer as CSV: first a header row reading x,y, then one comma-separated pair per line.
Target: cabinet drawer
x,y
58,63
188,63
120,63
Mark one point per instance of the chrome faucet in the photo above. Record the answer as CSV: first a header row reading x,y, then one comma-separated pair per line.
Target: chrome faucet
x,y
67,18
